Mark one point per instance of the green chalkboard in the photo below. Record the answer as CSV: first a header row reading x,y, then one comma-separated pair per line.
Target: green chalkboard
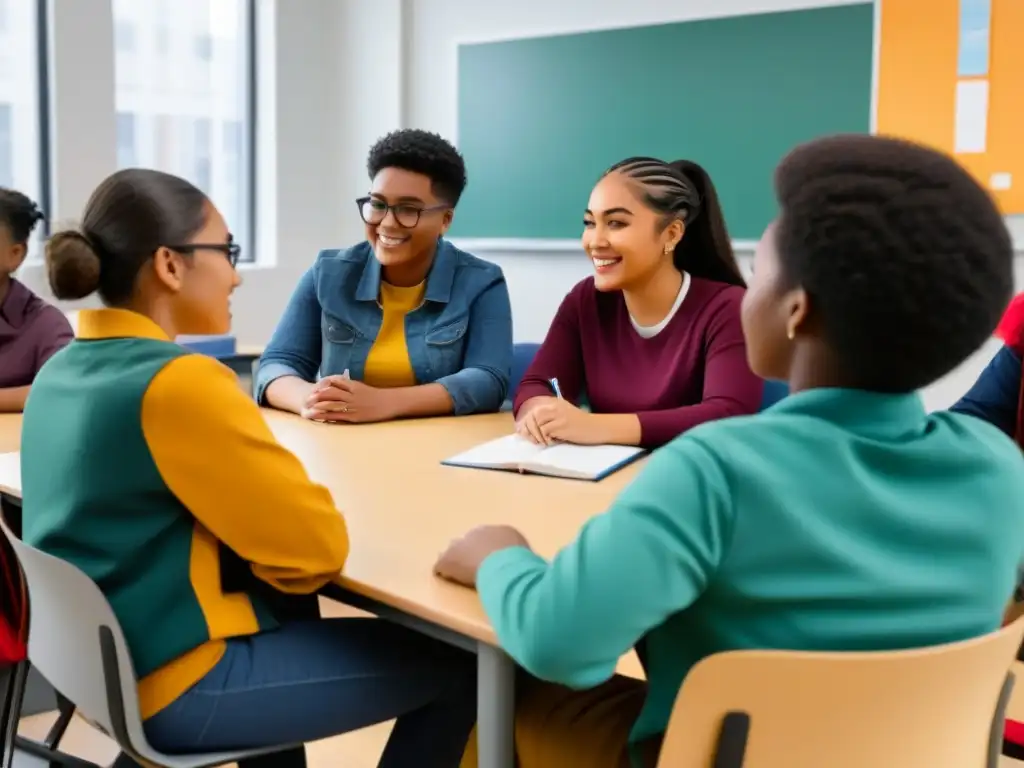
x,y
541,118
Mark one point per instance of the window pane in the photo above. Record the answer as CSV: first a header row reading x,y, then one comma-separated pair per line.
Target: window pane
x,y
181,81
975,28
20,145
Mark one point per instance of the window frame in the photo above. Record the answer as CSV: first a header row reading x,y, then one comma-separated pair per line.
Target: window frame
x,y
248,151
250,159
44,120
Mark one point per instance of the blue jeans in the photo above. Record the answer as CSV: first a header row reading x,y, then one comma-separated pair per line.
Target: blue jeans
x,y
309,680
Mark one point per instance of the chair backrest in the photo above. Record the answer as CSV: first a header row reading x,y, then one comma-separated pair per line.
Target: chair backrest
x,y
522,355
773,392
76,643
940,707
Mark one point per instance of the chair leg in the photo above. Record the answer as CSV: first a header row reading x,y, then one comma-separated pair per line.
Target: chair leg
x,y
286,758
13,698
65,711
44,750
54,757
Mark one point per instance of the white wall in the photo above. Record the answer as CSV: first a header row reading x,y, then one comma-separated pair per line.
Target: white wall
x,y
335,76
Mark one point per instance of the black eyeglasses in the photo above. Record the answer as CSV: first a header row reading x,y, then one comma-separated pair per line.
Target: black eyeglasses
x,y
231,250
374,211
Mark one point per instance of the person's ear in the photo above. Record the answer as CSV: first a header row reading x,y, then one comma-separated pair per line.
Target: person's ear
x,y
18,252
798,309
446,220
673,234
169,267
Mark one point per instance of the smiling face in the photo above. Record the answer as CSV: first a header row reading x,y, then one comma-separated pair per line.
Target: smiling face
x,y
626,240
403,217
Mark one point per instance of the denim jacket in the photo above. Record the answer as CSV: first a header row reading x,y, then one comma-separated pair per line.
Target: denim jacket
x,y
460,337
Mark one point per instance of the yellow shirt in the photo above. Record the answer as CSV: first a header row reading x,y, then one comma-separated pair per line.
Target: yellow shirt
x,y
388,363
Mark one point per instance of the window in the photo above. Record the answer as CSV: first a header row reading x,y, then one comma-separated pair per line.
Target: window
x,y
126,152
971,123
163,40
193,100
23,126
6,147
234,168
204,47
201,154
124,36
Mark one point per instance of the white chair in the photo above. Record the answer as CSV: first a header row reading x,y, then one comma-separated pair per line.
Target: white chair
x,y
76,643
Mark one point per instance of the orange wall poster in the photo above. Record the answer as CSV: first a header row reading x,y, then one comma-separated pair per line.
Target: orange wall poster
x,y
951,75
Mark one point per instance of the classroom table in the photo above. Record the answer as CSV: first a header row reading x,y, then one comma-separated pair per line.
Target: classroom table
x,y
402,507
10,432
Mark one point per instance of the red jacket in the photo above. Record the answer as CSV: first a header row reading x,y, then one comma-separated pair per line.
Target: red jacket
x,y
13,608
1011,332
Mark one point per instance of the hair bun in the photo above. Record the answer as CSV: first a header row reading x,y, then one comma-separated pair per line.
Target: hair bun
x,y
72,265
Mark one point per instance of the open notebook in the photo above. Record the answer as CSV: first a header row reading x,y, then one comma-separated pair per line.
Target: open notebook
x,y
575,462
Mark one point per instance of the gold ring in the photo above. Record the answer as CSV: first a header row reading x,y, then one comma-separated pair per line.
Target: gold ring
x,y
344,409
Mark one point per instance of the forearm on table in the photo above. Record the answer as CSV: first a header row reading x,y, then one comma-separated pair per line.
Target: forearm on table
x,y
288,393
660,427
12,399
421,400
618,428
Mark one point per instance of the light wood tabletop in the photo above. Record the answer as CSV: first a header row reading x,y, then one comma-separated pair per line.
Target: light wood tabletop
x,y
402,506
10,432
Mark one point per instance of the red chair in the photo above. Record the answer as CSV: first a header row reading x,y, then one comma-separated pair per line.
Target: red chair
x,y
14,667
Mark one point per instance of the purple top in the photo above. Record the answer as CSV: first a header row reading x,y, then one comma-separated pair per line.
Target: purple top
x,y
30,332
694,370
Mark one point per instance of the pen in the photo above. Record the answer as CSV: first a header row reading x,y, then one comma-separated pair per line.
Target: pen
x,y
556,388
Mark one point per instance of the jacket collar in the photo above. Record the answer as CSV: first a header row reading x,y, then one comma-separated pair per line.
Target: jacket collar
x,y
440,278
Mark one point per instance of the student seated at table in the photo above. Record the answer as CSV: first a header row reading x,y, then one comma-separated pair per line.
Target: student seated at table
x,y
996,395
845,517
403,324
653,338
150,469
30,329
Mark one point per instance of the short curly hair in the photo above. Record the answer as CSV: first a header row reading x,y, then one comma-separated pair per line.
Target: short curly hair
x,y
19,214
906,259
422,152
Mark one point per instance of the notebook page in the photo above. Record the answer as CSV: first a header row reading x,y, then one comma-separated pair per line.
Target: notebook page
x,y
508,451
588,460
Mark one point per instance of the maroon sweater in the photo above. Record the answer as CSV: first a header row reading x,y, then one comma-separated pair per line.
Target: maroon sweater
x,y
694,370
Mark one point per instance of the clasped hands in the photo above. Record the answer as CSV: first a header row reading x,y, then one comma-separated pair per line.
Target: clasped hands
x,y
339,398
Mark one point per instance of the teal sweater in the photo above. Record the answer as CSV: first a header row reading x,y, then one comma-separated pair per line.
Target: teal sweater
x,y
836,520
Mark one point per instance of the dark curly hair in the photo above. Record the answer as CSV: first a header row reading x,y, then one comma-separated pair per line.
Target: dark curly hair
x,y
19,214
421,152
906,260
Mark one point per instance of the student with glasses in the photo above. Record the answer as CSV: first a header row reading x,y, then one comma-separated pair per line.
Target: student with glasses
x,y
403,324
147,466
